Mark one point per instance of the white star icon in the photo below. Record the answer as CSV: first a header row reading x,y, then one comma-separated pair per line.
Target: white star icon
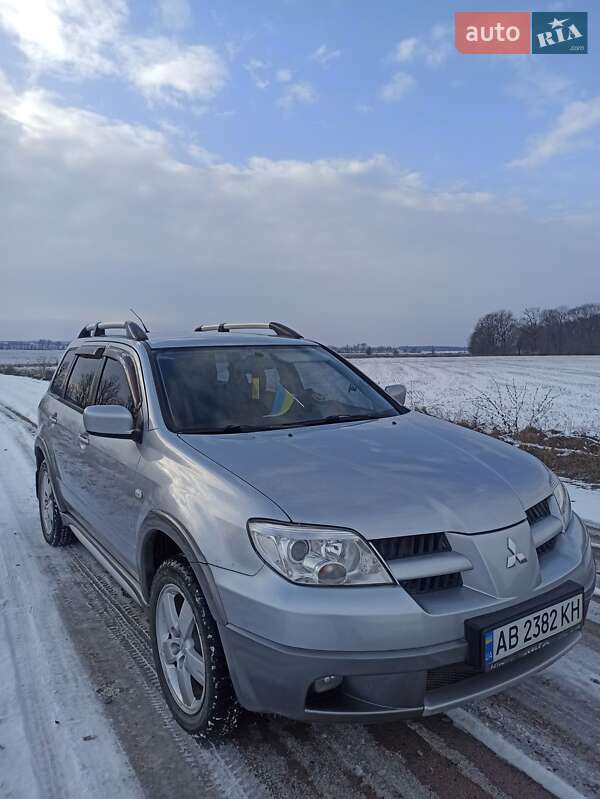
x,y
557,23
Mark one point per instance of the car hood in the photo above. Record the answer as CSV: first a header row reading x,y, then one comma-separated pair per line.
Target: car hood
x,y
383,479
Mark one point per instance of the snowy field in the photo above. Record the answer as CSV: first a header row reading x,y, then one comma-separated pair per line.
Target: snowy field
x,y
50,357
453,387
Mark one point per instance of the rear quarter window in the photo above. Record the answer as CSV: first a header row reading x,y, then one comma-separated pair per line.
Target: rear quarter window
x,y
81,381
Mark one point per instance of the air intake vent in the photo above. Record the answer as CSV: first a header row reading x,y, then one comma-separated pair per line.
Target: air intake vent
x,y
426,585
443,676
548,546
538,512
409,546
423,547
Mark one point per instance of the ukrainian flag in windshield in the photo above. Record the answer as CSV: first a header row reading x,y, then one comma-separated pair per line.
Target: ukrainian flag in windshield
x,y
283,401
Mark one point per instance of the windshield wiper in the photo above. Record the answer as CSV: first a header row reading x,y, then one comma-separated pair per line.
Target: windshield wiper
x,y
245,428
229,428
332,419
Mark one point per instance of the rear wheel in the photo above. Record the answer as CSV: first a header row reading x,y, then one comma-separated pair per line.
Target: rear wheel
x,y
54,531
189,657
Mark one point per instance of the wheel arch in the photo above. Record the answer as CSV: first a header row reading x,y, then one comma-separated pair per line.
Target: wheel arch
x,y
160,537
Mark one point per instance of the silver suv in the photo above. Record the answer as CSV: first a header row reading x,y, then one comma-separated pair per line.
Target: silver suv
x,y
305,544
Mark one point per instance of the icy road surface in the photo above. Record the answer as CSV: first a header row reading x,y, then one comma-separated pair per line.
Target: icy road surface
x,y
81,713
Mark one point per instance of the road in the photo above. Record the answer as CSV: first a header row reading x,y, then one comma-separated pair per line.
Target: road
x,y
81,713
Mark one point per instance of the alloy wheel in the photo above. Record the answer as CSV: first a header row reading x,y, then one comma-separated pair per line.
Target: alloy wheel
x,y
180,649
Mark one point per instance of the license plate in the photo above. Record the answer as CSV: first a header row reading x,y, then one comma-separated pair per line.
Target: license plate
x,y
498,638
526,632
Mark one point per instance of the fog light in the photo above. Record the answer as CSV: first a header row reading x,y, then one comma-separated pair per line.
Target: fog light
x,y
326,683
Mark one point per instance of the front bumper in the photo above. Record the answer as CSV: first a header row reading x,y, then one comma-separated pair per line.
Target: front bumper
x,y
397,659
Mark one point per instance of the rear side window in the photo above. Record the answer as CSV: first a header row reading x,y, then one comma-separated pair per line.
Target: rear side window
x,y
80,383
114,388
60,378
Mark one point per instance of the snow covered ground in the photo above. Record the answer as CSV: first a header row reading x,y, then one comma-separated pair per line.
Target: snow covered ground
x,y
22,394
452,387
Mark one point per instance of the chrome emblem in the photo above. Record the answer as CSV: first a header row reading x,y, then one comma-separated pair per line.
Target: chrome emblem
x,y
514,557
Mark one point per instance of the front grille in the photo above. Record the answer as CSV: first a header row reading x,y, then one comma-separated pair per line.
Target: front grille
x,y
409,546
449,675
425,585
420,545
538,512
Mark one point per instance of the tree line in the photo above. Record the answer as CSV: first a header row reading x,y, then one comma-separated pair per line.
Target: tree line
x,y
539,331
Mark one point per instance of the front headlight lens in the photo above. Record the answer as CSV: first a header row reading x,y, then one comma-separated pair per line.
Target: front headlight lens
x,y
317,555
564,502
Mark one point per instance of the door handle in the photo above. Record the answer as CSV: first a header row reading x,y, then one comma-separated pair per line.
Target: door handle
x,y
53,419
83,440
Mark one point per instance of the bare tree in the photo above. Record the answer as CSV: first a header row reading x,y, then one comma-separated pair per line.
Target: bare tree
x,y
548,331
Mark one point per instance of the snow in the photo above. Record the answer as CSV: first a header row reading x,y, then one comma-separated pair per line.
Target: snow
x,y
55,739
450,387
504,749
586,502
22,394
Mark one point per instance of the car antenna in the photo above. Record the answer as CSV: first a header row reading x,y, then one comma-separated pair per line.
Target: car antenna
x,y
141,320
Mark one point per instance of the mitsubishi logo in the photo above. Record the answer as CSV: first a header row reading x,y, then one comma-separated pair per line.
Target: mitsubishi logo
x,y
514,557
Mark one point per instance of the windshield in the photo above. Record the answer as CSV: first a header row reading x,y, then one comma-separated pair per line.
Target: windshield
x,y
237,389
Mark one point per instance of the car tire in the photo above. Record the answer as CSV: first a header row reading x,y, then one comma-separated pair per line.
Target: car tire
x,y
184,635
55,533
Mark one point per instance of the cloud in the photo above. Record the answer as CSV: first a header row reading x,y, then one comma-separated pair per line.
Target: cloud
x,y
256,69
120,219
399,85
163,70
283,75
175,14
536,84
73,36
567,133
405,49
324,55
87,38
433,49
302,93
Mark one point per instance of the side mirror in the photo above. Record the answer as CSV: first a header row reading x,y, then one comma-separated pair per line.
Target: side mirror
x,y
397,391
110,421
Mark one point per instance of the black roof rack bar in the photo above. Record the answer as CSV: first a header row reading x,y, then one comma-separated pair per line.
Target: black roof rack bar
x,y
226,327
132,330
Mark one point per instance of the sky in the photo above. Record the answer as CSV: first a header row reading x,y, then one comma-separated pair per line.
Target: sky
x,y
334,165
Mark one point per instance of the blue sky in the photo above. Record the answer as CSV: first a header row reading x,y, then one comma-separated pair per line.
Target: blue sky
x,y
349,133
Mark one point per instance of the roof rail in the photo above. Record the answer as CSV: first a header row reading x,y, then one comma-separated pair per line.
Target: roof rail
x,y
132,330
226,327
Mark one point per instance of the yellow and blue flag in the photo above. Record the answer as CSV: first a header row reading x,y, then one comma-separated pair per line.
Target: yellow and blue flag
x,y
282,401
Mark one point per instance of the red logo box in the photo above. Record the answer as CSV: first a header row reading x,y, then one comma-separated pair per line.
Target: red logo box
x,y
492,32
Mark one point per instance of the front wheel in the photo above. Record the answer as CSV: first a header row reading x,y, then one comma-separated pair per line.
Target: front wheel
x,y
189,657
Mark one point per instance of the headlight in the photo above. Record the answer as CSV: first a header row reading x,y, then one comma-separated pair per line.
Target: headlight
x,y
317,555
564,502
